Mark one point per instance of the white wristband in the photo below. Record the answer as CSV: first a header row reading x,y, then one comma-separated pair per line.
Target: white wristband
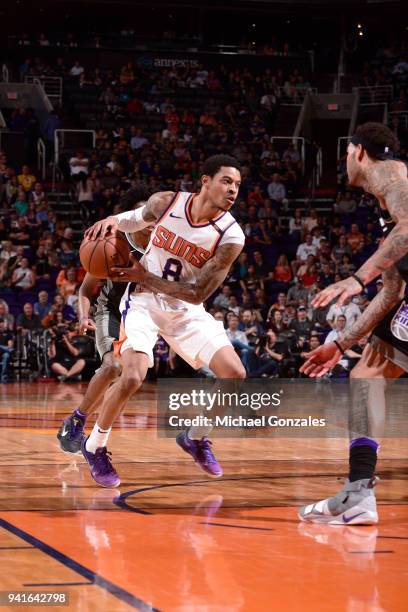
x,y
131,220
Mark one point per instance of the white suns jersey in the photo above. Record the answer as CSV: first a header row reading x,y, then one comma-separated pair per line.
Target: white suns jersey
x,y
179,248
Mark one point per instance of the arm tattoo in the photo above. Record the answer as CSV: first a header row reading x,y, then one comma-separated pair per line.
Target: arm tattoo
x,y
212,275
156,205
386,299
388,182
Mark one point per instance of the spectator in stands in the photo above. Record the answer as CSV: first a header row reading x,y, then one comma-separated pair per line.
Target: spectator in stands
x,y
79,166
28,321
346,204
346,267
6,315
222,299
20,204
354,236
67,255
43,306
282,272
312,220
270,354
317,236
277,323
302,326
308,274
76,69
137,140
251,326
342,248
37,195
297,224
276,189
65,360
349,310
280,304
239,341
297,293
68,284
6,348
306,248
325,276
26,180
62,306
23,278
233,305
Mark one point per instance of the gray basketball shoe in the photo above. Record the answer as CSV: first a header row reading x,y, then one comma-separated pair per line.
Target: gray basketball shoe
x,y
355,504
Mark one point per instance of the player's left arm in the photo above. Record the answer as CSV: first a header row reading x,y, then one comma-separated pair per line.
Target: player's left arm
x,y
212,275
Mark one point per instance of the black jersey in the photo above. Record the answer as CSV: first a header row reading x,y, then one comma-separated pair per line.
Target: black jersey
x,y
110,295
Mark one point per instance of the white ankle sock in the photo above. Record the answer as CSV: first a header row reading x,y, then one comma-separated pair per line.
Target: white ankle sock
x,y
196,433
97,439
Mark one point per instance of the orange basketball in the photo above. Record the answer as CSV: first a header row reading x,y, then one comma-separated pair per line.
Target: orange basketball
x,y
99,256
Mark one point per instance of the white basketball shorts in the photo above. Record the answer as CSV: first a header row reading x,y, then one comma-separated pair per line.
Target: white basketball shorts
x,y
189,330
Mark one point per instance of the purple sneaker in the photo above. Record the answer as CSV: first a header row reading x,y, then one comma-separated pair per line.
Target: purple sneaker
x,y
201,452
71,433
102,470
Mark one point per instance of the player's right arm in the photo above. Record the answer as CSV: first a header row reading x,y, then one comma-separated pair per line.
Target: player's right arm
x,y
85,294
321,360
132,220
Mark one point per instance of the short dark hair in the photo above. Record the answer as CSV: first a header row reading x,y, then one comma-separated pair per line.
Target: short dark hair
x,y
213,164
140,193
380,137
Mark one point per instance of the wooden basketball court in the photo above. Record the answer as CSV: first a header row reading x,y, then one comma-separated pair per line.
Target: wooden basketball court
x,y
172,539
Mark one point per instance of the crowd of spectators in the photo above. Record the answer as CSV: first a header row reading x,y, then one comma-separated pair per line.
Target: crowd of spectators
x,y
290,253
265,302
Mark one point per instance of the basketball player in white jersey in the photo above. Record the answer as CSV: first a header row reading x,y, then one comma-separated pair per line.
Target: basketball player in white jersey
x,y
194,242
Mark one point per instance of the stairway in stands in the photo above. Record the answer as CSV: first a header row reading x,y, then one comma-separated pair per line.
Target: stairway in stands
x,y
67,209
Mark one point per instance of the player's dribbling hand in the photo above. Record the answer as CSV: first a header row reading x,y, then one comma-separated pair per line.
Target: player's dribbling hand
x,y
101,228
136,273
342,290
84,324
321,360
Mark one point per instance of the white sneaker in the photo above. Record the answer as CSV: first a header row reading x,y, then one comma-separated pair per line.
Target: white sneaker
x,y
355,504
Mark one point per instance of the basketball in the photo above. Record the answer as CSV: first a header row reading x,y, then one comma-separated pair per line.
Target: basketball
x,y
99,256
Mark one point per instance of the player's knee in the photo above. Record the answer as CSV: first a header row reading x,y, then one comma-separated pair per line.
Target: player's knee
x,y
130,382
236,370
111,371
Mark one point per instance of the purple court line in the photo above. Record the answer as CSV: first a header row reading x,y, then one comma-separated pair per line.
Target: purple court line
x,y
83,571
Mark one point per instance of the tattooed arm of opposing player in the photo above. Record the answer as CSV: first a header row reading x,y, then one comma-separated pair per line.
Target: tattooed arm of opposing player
x,y
325,357
132,220
392,188
212,275
391,293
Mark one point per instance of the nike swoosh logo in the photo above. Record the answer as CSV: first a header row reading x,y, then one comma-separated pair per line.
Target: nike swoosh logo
x,y
64,431
174,216
350,518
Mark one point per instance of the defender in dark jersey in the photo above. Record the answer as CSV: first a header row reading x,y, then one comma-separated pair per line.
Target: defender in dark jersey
x,y
106,327
370,165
